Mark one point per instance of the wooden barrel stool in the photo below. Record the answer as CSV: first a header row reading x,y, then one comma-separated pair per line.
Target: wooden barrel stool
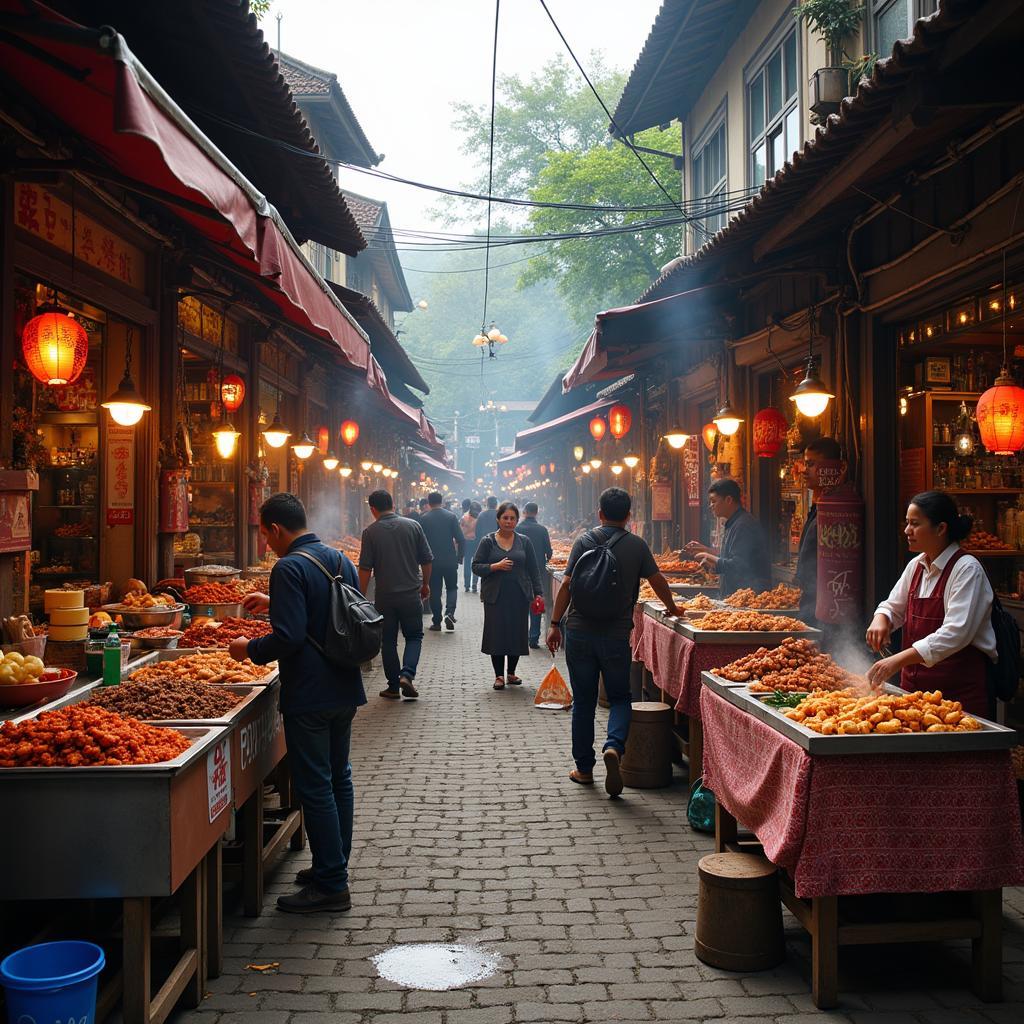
x,y
647,763
739,913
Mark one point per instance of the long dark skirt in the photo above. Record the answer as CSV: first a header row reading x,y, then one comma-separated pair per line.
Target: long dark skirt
x,y
506,623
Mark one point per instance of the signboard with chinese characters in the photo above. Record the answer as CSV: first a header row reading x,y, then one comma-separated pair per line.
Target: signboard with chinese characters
x,y
471,441
44,215
691,471
218,778
661,503
120,476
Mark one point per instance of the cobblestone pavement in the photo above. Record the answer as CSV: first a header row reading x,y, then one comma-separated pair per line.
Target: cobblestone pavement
x,y
468,829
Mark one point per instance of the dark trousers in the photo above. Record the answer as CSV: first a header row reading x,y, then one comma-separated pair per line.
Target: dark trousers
x,y
469,581
407,616
318,755
447,575
589,656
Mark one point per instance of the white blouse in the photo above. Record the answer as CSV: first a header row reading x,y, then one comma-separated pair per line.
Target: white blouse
x,y
967,600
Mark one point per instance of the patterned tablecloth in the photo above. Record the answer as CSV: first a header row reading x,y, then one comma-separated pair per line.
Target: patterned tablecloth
x,y
878,823
676,662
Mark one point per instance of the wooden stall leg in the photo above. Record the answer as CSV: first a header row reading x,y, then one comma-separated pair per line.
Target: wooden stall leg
x,y
696,749
191,936
214,911
726,832
825,951
987,948
298,840
136,955
251,814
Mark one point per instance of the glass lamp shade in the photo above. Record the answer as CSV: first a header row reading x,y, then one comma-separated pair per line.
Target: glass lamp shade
x,y
494,334
277,434
811,395
1000,416
616,468
377,467
577,453
479,341
365,465
345,471
595,463
586,467
225,437
55,347
676,437
631,460
126,405
331,462
304,447
501,339
727,420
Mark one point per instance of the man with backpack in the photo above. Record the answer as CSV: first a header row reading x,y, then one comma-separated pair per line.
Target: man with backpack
x,y
602,581
318,698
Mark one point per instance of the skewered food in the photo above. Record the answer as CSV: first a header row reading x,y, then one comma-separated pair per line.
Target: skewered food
x,y
220,634
206,667
779,597
846,714
166,699
83,734
752,622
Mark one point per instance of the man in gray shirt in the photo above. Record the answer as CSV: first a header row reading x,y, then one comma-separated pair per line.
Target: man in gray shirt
x,y
444,535
395,552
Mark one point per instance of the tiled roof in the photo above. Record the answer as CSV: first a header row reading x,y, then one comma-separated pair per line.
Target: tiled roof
x,y
304,79
365,210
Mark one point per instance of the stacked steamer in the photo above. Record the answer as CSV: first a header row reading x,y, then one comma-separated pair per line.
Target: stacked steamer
x,y
69,617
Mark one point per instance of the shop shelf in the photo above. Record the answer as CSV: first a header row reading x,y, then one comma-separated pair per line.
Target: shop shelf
x,y
982,553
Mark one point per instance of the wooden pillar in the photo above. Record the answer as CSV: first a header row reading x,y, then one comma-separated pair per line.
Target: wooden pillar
x,y
7,350
168,362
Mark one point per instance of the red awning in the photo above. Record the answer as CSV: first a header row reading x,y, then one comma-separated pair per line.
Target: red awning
x,y
412,418
440,466
92,82
627,337
533,436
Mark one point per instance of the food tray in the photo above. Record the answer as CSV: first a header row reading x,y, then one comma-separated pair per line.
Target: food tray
x,y
183,652
990,736
693,589
761,638
226,610
794,612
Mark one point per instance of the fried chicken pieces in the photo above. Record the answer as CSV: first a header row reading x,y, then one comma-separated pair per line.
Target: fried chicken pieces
x,y
780,597
790,654
846,714
748,622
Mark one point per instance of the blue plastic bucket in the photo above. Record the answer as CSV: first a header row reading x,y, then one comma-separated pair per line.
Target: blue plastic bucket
x,y
54,981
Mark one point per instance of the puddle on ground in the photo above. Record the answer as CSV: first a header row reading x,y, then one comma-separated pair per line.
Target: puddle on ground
x,y
435,966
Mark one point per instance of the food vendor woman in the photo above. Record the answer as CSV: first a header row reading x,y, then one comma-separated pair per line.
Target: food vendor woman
x,y
943,601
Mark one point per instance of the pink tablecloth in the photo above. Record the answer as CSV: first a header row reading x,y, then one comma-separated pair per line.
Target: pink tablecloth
x,y
881,823
676,662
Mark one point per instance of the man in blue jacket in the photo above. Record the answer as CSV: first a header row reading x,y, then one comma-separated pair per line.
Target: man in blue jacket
x,y
318,701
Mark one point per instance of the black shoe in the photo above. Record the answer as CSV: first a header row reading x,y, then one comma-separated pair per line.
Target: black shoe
x,y
391,694
435,627
534,646
613,778
304,876
310,899
467,590
408,690
449,623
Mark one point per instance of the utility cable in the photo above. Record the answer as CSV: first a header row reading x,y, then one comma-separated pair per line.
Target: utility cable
x,y
490,165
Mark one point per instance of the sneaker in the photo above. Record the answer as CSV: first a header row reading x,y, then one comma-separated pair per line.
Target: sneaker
x,y
391,694
449,623
304,876
310,899
408,690
613,778
534,645
435,627
467,590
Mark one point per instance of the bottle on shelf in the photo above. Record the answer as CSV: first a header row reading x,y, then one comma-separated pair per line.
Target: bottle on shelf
x,y
112,658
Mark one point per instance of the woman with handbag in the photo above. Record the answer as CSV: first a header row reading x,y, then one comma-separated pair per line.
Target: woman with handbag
x,y
509,580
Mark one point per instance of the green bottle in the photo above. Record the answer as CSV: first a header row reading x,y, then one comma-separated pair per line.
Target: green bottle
x,y
112,658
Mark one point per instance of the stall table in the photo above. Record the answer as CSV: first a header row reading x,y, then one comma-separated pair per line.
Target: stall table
x,y
854,824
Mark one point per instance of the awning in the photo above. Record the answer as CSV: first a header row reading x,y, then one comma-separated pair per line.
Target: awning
x,y
534,435
629,336
91,81
413,419
439,466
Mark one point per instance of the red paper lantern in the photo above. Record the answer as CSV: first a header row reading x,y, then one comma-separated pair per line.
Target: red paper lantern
x,y
323,440
597,428
709,432
55,347
620,419
232,392
349,432
770,429
1000,415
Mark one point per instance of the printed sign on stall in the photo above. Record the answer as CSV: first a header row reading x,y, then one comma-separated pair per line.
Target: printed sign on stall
x,y
218,778
120,476
691,471
661,503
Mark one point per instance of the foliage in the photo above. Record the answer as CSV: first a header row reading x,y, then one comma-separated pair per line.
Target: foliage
x,y
259,7
832,20
862,67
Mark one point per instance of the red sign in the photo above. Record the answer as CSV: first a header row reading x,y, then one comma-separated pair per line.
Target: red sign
x,y
840,528
173,501
120,470
691,472
661,503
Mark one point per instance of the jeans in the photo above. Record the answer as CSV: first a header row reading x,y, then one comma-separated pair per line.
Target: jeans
x,y
535,627
318,756
408,616
448,575
469,581
590,656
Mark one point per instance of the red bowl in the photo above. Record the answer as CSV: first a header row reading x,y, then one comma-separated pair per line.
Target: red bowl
x,y
53,683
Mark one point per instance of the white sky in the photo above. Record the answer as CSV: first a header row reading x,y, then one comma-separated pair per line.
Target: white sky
x,y
402,63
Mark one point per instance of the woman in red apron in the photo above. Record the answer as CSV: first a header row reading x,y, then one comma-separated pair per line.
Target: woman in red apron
x,y
943,601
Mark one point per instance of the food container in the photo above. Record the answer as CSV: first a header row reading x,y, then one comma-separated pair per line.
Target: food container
x,y
53,683
158,643
35,646
218,611
140,618
202,574
94,654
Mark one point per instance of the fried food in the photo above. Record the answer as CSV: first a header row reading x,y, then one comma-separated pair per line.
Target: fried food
x,y
220,593
779,597
214,634
162,700
790,654
134,601
748,622
845,713
204,667
700,603
820,673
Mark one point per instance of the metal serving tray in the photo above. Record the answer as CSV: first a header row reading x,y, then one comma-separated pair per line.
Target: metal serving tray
x,y
761,638
795,612
249,691
271,677
692,589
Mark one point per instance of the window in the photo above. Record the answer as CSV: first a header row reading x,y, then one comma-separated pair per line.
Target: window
x,y
894,19
773,110
709,178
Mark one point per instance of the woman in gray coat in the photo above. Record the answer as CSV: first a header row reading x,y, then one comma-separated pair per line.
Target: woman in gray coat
x,y
509,580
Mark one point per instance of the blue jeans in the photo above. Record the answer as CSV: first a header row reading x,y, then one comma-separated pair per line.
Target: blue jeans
x,y
469,581
448,576
318,747
406,615
535,627
590,656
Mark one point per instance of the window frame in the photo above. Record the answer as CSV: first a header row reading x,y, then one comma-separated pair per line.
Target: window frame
x,y
773,44
717,122
917,10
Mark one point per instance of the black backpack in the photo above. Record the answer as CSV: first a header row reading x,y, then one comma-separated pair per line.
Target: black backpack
x,y
354,625
595,587
1004,675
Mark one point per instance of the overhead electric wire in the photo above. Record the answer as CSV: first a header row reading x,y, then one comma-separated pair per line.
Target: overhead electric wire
x,y
490,165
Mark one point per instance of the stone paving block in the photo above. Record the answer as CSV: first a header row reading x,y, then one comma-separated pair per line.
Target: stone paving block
x,y
688,1009
616,1010
544,1012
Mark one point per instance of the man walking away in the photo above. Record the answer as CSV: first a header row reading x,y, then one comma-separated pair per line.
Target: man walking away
x,y
468,522
541,541
318,700
395,552
598,645
488,521
444,535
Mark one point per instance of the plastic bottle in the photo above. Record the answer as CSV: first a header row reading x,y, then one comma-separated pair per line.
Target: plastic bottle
x,y
112,658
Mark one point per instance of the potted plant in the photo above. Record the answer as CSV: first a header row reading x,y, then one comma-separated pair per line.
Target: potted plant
x,y
834,21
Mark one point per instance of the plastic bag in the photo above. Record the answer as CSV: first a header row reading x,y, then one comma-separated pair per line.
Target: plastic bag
x,y
553,692
537,607
700,808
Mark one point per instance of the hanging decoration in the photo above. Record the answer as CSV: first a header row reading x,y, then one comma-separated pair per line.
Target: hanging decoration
x,y
769,432
349,433
55,347
597,428
304,447
232,392
811,396
1000,410
126,406
620,419
676,437
323,440
708,434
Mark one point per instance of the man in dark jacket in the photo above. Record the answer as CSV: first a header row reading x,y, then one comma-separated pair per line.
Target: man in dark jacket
x,y
318,700
488,520
541,541
444,535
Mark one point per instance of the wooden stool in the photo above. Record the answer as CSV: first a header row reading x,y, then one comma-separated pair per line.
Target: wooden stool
x,y
647,763
739,912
